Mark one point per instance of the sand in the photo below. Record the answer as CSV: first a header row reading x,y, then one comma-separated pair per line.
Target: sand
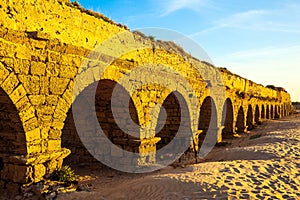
x,y
262,164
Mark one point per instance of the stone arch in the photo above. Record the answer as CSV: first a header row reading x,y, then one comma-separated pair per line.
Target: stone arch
x,y
14,89
285,110
280,111
263,112
106,120
249,119
257,115
174,116
240,122
115,71
228,118
268,112
12,136
207,118
116,68
272,112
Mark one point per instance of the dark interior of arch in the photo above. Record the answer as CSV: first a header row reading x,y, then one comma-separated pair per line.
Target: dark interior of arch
x,y
249,120
207,118
268,112
240,126
173,117
272,112
102,102
227,120
257,114
262,111
12,136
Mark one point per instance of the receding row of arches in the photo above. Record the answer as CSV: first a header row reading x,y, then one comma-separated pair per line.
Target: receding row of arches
x,y
169,120
235,119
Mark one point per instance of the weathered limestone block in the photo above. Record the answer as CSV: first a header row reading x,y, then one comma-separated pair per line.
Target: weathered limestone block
x,y
33,148
27,112
31,124
33,135
55,133
68,71
52,69
37,100
39,171
54,145
10,83
31,83
17,94
38,68
3,73
58,85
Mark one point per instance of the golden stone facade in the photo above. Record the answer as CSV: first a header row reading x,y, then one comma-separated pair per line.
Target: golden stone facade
x,y
42,47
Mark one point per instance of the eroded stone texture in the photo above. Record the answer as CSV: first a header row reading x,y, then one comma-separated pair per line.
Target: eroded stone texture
x,y
43,46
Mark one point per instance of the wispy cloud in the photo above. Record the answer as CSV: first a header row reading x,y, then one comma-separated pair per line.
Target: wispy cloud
x,y
171,6
273,51
273,20
241,20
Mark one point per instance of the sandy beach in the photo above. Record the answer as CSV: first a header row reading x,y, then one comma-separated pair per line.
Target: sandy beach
x,y
261,164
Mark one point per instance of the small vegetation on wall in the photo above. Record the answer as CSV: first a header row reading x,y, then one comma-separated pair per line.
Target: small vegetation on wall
x,y
64,174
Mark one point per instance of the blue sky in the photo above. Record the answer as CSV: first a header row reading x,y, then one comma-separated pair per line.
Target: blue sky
x,y
258,39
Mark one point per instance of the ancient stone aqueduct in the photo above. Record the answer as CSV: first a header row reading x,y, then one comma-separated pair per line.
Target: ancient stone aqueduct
x,y
43,45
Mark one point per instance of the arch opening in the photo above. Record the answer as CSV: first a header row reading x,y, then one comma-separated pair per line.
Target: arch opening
x,y
174,120
106,120
1,165
262,112
249,120
268,112
12,135
272,112
227,119
240,122
257,114
207,119
169,120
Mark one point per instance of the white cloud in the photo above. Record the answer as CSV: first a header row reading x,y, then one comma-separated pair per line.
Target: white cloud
x,y
171,6
239,20
284,19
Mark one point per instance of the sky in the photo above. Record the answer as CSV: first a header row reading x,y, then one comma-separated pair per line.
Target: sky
x,y
257,39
